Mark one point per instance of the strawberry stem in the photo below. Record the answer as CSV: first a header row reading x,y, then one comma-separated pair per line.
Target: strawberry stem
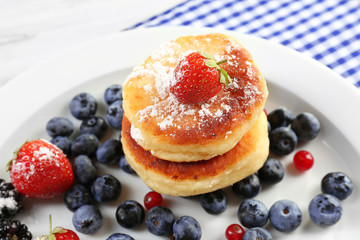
x,y
222,61
51,235
224,76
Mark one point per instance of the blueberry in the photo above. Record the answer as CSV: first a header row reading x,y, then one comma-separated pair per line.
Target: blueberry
x,y
306,126
106,188
85,144
83,105
280,117
159,221
285,215
271,172
214,202
94,125
337,184
125,166
283,141
249,187
62,142
59,126
84,169
130,214
257,234
120,236
87,219
113,93
115,114
110,151
325,210
77,196
252,213
186,228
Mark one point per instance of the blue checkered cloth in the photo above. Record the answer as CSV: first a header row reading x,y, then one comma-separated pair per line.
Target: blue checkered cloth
x,y
326,30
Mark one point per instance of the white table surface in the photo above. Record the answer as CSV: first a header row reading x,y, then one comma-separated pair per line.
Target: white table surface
x,y
32,31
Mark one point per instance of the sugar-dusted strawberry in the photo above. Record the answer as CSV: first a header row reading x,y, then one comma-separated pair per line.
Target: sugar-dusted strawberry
x,y
40,170
59,233
198,77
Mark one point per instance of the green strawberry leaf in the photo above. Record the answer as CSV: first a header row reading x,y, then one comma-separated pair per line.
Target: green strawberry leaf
x,y
211,63
208,56
224,77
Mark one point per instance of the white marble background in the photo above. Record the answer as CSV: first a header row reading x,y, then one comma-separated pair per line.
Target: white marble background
x,y
33,30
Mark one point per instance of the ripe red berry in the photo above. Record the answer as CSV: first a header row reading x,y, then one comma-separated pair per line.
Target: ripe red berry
x,y
152,199
303,160
65,234
41,170
197,78
234,232
59,233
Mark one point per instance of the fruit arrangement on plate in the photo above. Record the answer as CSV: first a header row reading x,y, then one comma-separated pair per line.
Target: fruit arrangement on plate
x,y
193,121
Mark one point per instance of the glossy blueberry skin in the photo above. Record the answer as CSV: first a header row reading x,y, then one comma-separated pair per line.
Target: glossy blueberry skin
x,y
84,170
325,210
125,166
110,151
106,188
95,125
113,93
306,126
214,202
120,236
186,228
77,196
83,105
252,213
280,117
285,215
283,141
159,221
85,144
62,142
257,234
87,219
114,114
337,184
249,187
130,214
271,172
59,126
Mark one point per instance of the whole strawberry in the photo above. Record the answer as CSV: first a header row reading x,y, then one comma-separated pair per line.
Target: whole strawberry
x,y
59,233
40,170
197,78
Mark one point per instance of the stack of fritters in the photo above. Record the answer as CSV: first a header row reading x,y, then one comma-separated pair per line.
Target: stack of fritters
x,y
189,149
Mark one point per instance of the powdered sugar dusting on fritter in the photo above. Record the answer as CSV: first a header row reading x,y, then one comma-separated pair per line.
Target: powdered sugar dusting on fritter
x,y
167,110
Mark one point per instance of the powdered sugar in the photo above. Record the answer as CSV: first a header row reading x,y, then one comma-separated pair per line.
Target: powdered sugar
x,y
44,153
27,165
9,203
168,111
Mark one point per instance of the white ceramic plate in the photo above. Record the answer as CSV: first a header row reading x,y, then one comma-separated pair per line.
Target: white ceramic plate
x,y
295,81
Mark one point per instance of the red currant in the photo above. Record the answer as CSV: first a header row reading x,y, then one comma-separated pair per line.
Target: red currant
x,y
152,199
303,160
234,232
